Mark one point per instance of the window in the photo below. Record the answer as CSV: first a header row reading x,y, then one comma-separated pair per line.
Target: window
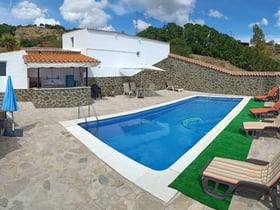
x,y
2,68
72,41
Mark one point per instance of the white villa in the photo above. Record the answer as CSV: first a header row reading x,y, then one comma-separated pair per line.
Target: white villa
x,y
86,53
115,50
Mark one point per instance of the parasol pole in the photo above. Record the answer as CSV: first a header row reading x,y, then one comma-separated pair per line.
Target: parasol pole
x,y
141,85
13,125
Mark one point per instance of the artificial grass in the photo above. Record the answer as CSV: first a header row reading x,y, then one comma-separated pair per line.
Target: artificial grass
x,y
230,143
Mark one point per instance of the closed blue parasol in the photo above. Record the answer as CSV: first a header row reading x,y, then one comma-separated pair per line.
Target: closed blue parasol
x,y
9,103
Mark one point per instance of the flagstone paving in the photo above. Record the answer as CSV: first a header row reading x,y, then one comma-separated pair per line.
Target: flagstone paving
x,y
48,168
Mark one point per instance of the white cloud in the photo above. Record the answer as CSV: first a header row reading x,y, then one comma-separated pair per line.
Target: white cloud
x,y
263,22
199,21
176,11
216,14
108,28
118,8
95,13
141,25
26,10
277,15
88,13
95,18
49,21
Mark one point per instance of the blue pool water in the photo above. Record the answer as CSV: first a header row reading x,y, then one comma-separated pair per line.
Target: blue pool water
x,y
158,137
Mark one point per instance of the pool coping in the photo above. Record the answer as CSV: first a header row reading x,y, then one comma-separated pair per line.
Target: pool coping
x,y
154,182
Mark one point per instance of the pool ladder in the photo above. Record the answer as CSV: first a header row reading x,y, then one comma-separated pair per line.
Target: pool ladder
x,y
88,115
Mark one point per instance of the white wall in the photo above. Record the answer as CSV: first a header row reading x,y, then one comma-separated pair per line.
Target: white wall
x,y
115,50
16,68
80,40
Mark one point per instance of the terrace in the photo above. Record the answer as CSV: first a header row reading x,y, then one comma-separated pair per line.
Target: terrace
x,y
49,168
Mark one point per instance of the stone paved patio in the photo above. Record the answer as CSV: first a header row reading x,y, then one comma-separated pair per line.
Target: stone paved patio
x,y
48,168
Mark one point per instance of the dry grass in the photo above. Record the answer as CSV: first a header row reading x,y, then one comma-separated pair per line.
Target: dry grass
x,y
217,62
34,32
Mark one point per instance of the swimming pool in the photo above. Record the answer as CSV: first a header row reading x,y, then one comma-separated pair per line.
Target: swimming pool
x,y
158,137
153,181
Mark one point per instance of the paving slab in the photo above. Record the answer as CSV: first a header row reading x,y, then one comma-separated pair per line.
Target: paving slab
x,y
48,168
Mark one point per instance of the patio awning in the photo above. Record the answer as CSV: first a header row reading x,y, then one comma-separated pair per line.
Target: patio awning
x,y
136,68
58,59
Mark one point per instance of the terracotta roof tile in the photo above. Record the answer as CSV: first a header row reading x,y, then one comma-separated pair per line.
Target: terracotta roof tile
x,y
58,57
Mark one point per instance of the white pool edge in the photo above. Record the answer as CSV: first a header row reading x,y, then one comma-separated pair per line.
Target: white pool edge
x,y
154,182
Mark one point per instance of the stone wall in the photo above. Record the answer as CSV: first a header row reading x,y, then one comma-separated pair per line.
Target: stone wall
x,y
61,97
54,97
184,72
108,84
196,76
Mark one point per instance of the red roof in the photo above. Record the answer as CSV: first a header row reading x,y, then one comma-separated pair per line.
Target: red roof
x,y
58,57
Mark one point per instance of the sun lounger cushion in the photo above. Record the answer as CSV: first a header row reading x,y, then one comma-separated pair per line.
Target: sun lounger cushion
x,y
253,127
254,175
256,125
232,171
262,111
272,95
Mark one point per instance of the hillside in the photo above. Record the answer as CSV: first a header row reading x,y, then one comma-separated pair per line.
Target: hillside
x,y
39,36
37,33
203,40
216,62
33,32
51,36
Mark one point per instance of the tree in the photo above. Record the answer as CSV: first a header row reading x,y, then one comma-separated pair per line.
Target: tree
x,y
203,40
258,41
9,42
178,46
7,29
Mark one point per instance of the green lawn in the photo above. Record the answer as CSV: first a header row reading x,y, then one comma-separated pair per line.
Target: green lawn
x,y
230,143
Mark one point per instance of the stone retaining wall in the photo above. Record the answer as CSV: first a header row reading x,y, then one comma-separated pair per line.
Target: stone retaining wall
x,y
185,72
196,76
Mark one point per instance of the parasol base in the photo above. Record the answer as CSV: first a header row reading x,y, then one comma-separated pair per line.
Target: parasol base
x,y
16,133
140,94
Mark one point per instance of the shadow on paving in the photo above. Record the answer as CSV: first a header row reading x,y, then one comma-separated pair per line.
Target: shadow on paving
x,y
7,145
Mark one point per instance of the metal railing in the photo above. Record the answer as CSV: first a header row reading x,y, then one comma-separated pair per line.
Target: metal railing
x,y
90,106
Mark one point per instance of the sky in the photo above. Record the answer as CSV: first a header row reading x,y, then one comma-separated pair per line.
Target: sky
x,y
233,17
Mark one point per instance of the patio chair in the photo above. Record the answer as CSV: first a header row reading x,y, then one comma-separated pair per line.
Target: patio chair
x,y
272,95
257,128
96,91
266,111
151,89
126,89
133,87
227,175
170,86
